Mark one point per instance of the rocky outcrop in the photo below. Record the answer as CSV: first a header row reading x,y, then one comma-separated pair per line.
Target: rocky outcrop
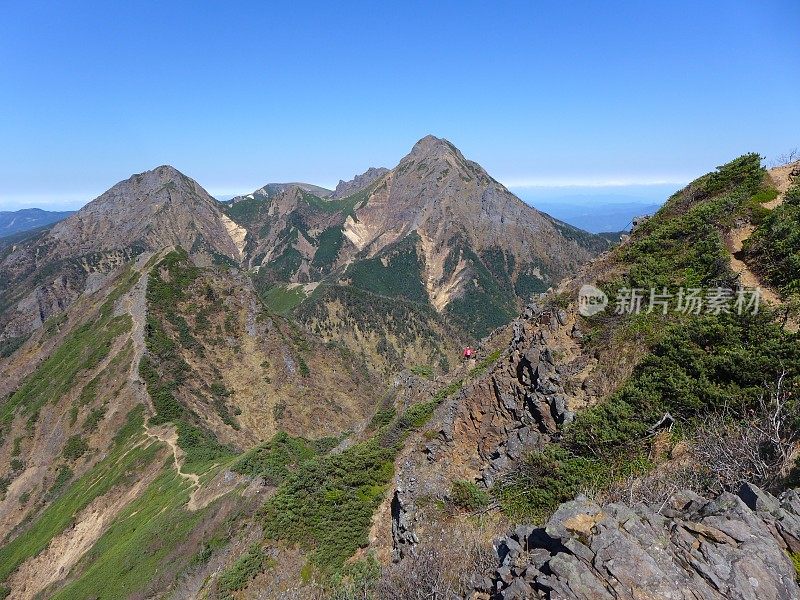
x,y
499,416
733,546
520,403
358,183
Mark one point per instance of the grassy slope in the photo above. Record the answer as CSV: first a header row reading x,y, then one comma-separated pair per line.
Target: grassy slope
x,y
82,350
281,299
131,552
118,468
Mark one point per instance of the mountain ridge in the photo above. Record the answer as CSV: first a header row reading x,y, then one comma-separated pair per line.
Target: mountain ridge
x,y
26,219
463,220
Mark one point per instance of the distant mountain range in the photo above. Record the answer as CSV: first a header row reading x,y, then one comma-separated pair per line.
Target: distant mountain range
x,y
446,250
17,221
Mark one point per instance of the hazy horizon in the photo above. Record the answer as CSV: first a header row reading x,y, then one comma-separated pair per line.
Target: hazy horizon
x,y
566,195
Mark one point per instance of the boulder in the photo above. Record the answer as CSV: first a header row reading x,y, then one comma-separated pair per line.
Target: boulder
x,y
731,546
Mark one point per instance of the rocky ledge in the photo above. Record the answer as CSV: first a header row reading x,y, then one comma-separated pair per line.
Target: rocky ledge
x,y
734,546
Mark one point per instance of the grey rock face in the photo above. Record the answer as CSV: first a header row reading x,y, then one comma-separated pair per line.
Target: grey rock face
x,y
490,426
733,546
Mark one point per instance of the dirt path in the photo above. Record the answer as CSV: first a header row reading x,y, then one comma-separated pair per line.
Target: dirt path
x,y
747,277
737,237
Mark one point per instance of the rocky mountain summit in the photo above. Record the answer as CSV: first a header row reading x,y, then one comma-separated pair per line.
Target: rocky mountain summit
x,y
732,546
43,274
358,183
156,209
436,231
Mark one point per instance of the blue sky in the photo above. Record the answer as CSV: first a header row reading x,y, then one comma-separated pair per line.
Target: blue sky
x,y
236,94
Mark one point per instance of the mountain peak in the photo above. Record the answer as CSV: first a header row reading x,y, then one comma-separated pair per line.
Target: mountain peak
x,y
157,176
431,144
154,209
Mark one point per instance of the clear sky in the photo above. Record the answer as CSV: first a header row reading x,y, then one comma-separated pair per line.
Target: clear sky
x,y
237,94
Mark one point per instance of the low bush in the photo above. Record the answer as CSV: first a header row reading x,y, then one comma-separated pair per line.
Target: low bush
x,y
774,247
468,496
75,447
276,459
326,506
243,571
425,371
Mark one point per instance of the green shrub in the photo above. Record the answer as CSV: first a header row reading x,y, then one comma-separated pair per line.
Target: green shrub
x,y
93,418
326,506
355,577
329,244
795,556
63,477
75,447
698,367
275,459
200,446
207,551
395,273
10,345
89,392
468,496
382,417
545,480
243,571
774,247
425,371
484,365
303,367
